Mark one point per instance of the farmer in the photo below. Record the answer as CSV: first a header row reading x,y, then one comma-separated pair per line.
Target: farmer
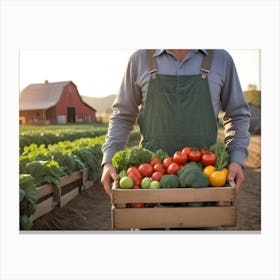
x,y
175,96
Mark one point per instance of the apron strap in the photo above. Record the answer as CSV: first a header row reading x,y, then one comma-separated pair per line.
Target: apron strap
x,y
152,63
206,64
205,67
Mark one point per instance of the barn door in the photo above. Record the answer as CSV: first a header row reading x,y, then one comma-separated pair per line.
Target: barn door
x,y
71,115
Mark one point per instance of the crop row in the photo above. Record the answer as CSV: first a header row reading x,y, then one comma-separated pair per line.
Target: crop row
x,y
47,163
55,133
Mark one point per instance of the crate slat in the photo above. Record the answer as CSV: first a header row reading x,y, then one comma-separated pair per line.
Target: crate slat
x,y
68,188
65,180
44,190
43,208
176,217
68,197
173,195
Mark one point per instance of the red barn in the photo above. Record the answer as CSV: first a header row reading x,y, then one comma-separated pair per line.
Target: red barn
x,y
55,103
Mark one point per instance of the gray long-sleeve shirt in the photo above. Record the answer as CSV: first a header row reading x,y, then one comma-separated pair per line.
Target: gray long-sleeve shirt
x,y
225,89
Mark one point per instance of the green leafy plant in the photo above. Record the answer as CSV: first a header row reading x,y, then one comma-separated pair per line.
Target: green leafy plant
x,y
222,155
27,199
44,172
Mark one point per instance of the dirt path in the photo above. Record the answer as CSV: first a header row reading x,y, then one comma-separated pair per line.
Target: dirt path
x,y
91,210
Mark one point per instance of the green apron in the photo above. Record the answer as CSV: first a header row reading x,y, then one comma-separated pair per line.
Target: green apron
x,y
178,110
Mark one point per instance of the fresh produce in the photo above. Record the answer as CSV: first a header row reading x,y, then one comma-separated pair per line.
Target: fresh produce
x,y
208,170
126,183
135,175
120,160
138,156
160,154
122,173
180,157
173,168
146,182
155,185
225,170
208,158
169,181
222,155
192,176
167,161
146,169
217,178
186,151
155,160
188,168
156,176
159,167
195,155
124,159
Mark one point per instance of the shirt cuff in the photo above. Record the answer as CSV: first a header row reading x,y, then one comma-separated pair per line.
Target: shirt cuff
x,y
107,157
238,156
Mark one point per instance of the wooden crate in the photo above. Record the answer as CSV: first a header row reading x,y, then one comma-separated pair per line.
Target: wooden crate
x,y
46,201
68,188
86,182
223,213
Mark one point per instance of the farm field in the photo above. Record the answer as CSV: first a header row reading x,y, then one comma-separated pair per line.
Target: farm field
x,y
51,134
91,209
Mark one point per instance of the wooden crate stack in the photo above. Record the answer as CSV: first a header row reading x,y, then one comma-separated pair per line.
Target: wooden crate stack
x,y
51,196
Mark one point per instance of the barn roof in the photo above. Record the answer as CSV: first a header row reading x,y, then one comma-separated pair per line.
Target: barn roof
x,y
41,96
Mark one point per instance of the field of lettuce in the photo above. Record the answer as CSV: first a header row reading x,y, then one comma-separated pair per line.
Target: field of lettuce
x,y
48,153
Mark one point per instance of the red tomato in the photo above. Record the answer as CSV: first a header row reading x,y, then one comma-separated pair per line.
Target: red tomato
x,y
204,150
180,157
135,171
173,168
186,150
195,155
146,169
136,187
167,161
155,160
137,205
156,176
159,167
136,180
208,158
134,174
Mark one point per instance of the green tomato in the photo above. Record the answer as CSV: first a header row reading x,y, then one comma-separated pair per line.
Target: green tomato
x,y
126,183
155,185
122,174
146,182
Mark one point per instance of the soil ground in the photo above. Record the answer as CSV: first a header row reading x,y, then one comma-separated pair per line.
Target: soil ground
x,y
91,209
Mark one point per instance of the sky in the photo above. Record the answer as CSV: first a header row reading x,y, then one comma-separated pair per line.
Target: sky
x,y
99,72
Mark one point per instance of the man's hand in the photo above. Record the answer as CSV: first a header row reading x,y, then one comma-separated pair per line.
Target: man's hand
x,y
235,173
109,174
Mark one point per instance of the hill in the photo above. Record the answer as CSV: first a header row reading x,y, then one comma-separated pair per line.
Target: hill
x,y
100,104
